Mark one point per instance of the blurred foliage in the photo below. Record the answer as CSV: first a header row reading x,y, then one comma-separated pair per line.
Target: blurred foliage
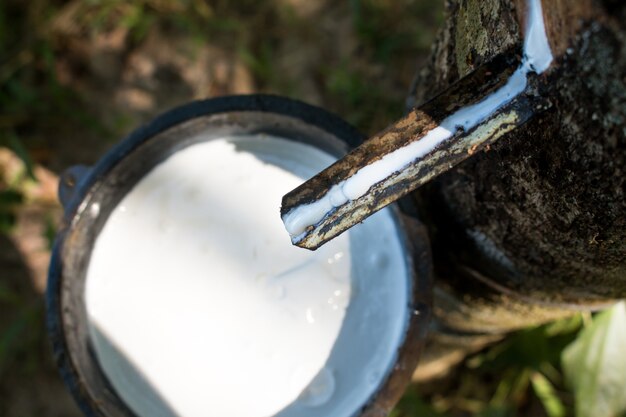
x,y
50,231
595,365
12,142
32,99
520,376
386,36
523,376
22,340
9,200
382,27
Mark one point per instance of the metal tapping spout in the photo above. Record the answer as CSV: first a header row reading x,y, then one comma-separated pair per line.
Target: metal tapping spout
x,y
476,111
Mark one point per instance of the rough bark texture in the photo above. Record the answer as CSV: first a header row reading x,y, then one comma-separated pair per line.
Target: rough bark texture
x,y
534,228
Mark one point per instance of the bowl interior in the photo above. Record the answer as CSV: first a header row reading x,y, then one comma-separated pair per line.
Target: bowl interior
x,y
116,175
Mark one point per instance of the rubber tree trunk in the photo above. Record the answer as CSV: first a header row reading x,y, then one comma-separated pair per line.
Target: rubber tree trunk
x,y
534,228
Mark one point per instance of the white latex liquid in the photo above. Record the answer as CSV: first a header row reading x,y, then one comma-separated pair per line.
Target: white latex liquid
x,y
199,305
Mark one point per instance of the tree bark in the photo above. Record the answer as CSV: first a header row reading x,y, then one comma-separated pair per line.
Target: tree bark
x,y
533,229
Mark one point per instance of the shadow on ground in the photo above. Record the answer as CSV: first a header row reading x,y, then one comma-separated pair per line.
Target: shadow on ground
x,y
29,382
